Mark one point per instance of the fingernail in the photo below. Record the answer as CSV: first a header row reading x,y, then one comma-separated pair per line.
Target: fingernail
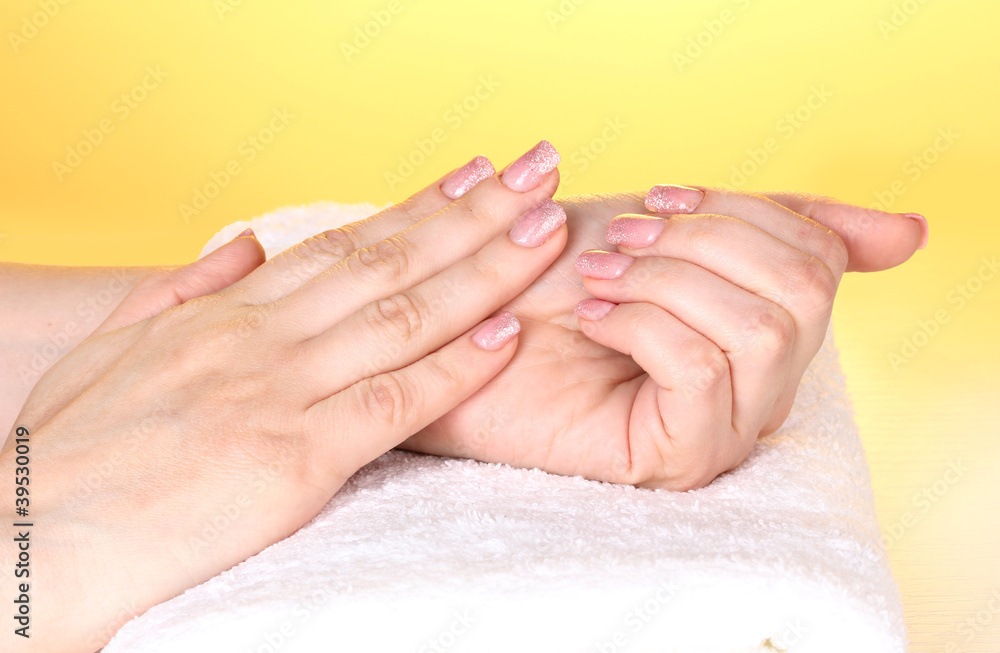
x,y
495,333
635,231
466,177
245,233
598,264
593,309
527,172
667,198
535,228
925,229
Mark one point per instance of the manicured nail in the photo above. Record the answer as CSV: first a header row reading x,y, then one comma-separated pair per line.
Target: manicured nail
x,y
598,264
246,232
495,333
535,228
527,172
925,229
635,230
593,309
673,199
466,177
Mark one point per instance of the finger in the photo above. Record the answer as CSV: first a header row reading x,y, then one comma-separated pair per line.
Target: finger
x,y
798,231
300,263
876,240
392,332
377,413
212,273
756,335
413,255
680,428
747,256
758,262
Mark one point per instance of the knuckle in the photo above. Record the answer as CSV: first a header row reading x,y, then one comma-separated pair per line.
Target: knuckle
x,y
700,235
333,245
448,373
386,258
814,283
397,318
386,400
707,368
830,246
486,269
771,329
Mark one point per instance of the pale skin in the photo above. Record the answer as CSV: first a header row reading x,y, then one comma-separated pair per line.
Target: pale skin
x,y
569,395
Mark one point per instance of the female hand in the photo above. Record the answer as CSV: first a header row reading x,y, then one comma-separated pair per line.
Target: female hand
x,y
718,313
166,449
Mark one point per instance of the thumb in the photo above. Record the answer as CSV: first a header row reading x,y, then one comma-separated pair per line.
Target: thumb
x,y
171,287
876,240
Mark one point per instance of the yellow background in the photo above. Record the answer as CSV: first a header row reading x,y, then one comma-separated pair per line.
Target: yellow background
x,y
562,70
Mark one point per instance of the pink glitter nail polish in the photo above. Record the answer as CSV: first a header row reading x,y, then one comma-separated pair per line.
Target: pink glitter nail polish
x,y
535,228
925,230
466,177
528,171
599,264
593,309
673,199
494,334
635,231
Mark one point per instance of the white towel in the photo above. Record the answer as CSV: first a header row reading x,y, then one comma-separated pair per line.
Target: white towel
x,y
426,554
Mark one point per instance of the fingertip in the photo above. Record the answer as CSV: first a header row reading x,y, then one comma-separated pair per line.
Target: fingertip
x,y
924,227
593,309
464,179
497,332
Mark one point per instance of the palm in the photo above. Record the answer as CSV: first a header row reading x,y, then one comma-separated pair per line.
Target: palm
x,y
564,403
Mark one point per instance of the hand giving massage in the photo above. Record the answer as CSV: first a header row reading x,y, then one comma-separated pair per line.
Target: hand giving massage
x,y
646,339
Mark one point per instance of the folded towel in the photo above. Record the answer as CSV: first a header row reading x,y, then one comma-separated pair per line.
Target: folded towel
x,y
426,554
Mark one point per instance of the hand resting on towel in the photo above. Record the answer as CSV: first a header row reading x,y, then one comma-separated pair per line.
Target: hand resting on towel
x,y
174,443
715,313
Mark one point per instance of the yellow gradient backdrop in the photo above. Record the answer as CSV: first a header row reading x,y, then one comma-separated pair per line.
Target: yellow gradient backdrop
x,y
891,101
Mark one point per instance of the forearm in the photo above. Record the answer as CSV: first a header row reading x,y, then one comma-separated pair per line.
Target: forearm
x,y
45,311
